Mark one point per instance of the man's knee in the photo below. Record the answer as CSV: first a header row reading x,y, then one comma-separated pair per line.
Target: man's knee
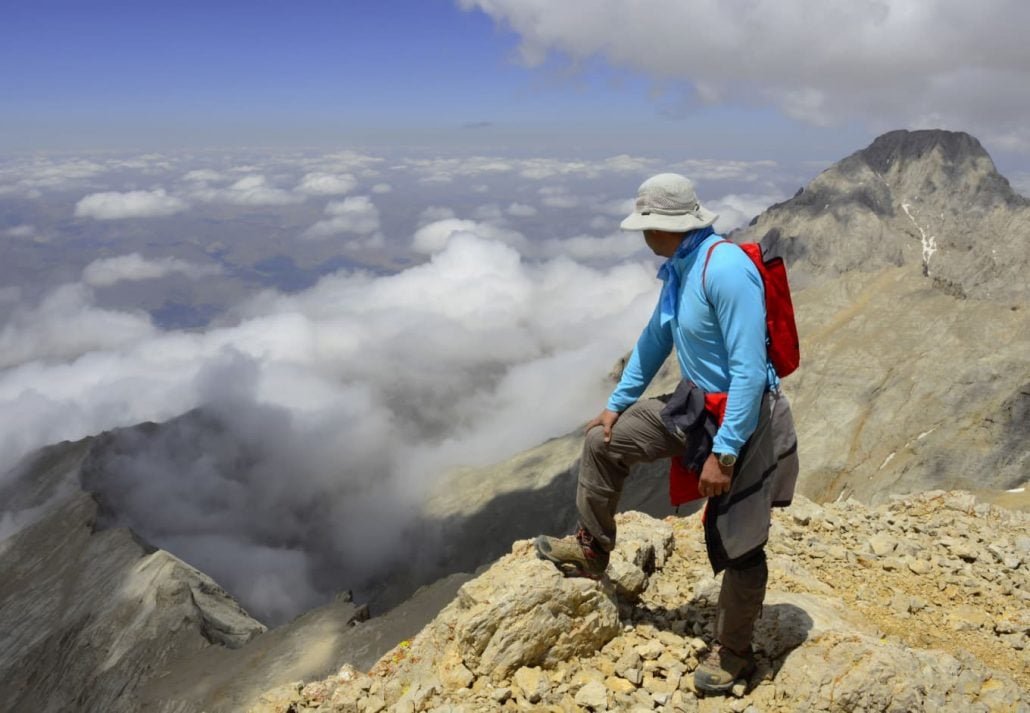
x,y
594,442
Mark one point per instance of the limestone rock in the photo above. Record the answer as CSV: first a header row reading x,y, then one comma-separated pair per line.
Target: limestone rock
x,y
593,695
518,616
531,682
820,646
882,544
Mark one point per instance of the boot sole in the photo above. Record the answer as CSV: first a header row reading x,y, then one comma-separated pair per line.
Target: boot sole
x,y
567,568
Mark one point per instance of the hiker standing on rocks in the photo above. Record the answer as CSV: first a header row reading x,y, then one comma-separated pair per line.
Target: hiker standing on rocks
x,y
712,310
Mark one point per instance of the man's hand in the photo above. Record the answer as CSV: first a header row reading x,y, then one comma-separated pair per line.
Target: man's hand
x,y
715,479
606,419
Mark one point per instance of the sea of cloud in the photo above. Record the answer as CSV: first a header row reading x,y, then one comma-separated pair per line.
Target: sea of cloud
x,y
326,413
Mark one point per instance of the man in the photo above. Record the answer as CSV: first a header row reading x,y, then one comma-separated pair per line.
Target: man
x,y
712,311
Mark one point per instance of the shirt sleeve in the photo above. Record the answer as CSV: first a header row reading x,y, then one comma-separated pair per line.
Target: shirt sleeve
x,y
735,291
649,354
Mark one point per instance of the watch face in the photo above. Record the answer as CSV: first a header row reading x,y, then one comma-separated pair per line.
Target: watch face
x,y
727,459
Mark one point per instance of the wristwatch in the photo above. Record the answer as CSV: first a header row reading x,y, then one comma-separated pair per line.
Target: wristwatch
x,y
726,460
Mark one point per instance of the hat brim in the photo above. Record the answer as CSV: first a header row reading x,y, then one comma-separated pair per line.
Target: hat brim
x,y
672,223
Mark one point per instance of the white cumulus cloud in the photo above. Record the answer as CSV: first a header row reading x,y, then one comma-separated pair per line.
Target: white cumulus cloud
x,y
327,184
134,267
436,236
66,325
131,204
356,214
253,189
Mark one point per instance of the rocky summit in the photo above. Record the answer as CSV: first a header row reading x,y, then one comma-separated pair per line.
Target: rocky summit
x,y
920,604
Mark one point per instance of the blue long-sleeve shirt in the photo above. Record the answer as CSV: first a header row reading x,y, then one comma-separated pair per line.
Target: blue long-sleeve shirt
x,y
719,341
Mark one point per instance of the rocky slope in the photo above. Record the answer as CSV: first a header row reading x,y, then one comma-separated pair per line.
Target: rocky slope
x,y
915,319
904,388
89,613
917,605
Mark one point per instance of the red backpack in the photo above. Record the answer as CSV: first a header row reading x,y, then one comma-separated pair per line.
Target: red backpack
x,y
782,332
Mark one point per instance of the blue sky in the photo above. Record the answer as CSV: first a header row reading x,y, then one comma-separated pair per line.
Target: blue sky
x,y
153,75
272,72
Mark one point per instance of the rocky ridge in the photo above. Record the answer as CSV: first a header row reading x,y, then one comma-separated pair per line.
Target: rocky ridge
x,y
89,615
920,604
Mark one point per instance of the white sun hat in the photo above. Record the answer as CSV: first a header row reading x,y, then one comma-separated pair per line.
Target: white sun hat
x,y
668,202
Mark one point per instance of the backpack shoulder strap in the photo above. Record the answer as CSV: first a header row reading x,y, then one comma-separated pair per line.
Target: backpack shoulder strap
x,y
704,270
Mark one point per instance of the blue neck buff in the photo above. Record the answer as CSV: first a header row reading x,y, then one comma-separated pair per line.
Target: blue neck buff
x,y
668,274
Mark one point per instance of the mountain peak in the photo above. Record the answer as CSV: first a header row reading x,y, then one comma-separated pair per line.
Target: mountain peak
x,y
903,146
929,199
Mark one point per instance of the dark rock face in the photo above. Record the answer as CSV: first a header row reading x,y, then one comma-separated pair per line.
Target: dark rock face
x,y
932,200
901,146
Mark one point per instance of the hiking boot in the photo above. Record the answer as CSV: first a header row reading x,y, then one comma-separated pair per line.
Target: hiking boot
x,y
721,668
578,555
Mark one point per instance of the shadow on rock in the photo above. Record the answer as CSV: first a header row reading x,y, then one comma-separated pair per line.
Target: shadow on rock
x,y
781,628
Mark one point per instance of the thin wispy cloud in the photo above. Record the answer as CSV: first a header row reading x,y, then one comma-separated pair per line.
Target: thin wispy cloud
x,y
736,211
20,231
204,175
558,197
521,210
43,173
587,248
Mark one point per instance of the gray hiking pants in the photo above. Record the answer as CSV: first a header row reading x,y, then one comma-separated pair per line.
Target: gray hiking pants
x,y
639,436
